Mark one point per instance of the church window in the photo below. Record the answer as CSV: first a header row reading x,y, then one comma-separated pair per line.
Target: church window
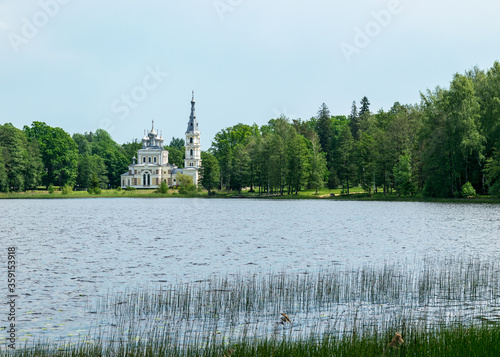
x,y
190,140
143,159
155,159
191,152
149,159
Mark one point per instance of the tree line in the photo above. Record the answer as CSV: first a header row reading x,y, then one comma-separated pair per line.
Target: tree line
x,y
436,148
43,155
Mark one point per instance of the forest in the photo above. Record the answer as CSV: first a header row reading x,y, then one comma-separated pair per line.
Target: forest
x,y
441,147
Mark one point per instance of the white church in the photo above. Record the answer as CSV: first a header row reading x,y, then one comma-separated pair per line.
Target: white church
x,y
151,165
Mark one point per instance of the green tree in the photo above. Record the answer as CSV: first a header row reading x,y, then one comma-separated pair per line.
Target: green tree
x,y
241,168
403,180
59,153
223,147
453,145
492,172
176,152
92,169
176,156
318,166
113,155
345,149
324,131
130,149
4,185
21,159
354,124
82,143
186,184
177,143
298,162
367,161
209,172
34,165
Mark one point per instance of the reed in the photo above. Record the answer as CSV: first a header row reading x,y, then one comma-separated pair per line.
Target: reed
x,y
446,305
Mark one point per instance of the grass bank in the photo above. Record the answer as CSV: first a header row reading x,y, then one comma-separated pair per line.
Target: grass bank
x,y
480,341
356,194
448,307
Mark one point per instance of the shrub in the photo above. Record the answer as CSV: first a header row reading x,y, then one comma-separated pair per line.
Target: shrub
x,y
129,188
163,188
67,189
119,188
186,190
94,190
468,190
51,189
186,184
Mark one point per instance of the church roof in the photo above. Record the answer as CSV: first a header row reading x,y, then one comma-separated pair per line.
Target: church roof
x,y
153,132
192,124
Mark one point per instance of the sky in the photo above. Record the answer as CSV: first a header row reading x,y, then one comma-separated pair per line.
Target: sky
x,y
120,64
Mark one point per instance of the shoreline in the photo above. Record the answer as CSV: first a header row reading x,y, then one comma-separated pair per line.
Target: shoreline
x,y
361,197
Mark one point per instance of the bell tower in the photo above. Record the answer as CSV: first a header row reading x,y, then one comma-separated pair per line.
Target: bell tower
x,y
193,145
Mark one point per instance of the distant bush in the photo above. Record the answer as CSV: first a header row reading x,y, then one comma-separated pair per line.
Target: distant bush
x,y
51,189
186,190
67,189
119,188
186,184
129,188
468,190
163,188
94,190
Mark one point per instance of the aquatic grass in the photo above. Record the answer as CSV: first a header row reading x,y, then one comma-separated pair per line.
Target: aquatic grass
x,y
475,340
348,311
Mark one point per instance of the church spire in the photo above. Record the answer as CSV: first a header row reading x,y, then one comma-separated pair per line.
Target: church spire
x,y
192,124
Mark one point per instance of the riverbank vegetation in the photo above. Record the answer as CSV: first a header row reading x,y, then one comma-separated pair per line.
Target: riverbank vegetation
x,y
447,307
445,146
356,193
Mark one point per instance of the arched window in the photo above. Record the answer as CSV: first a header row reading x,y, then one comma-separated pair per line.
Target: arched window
x,y
150,159
190,140
191,152
155,160
143,159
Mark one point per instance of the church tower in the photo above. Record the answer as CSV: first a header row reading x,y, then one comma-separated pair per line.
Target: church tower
x,y
192,162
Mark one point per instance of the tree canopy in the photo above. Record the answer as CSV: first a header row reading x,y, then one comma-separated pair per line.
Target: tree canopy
x,y
448,141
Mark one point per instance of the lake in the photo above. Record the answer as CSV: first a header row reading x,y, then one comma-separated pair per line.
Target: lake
x,y
74,251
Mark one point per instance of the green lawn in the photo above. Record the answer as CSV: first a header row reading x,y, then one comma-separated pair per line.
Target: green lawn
x,y
356,193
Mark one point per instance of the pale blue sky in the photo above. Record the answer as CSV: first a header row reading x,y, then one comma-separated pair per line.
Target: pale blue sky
x,y
115,64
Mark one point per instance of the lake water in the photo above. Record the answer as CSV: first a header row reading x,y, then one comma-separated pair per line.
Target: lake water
x,y
72,251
